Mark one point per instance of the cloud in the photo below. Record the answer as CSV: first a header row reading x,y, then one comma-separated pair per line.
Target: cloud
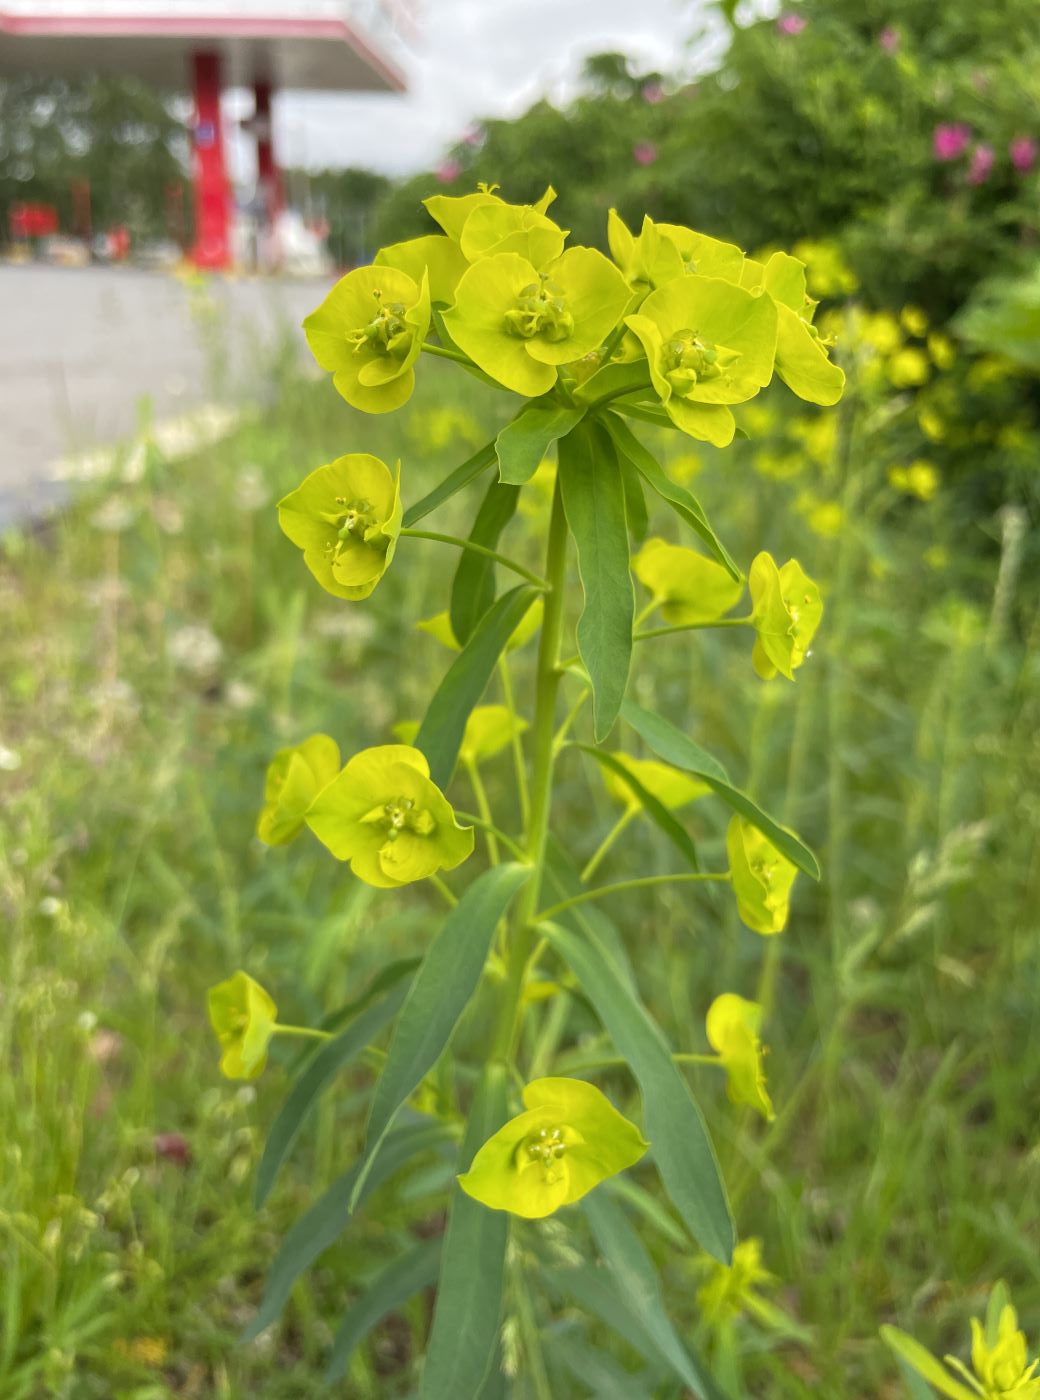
x,y
476,58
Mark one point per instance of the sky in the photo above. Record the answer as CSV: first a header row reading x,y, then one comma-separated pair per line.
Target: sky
x,y
473,58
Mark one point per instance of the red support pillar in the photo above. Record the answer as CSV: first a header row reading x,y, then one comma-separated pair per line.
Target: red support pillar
x,y
270,176
212,233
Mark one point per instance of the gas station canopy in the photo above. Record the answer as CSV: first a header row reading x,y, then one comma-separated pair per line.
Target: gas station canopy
x,y
301,44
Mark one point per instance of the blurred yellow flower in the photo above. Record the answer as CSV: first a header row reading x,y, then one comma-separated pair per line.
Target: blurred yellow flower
x,y
824,518
931,424
881,332
728,1290
914,320
909,367
920,479
942,350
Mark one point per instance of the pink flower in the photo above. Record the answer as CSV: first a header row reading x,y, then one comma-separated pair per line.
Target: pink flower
x,y
950,140
791,24
1023,152
982,159
473,136
653,93
644,152
448,171
889,38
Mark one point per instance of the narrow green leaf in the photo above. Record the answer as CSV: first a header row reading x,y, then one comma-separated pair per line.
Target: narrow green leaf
x,y
440,733
674,747
594,1293
384,979
612,380
925,1364
438,996
319,1072
635,502
599,1372
523,443
656,1215
452,483
594,502
473,589
321,1226
645,413
679,1140
402,1278
563,882
683,502
639,1285
655,810
464,1335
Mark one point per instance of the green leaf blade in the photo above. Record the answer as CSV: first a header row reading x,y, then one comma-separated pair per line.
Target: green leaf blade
x,y
453,483
652,806
473,588
638,1283
674,747
440,734
678,1136
392,1287
464,1335
446,980
317,1075
322,1224
594,502
522,444
683,502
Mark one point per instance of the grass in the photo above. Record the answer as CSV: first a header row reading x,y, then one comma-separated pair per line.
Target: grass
x,y
160,638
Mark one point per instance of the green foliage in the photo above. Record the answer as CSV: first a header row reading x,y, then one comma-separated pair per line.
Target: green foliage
x,y
119,136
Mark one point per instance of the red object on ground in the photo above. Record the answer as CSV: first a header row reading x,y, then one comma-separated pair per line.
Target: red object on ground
x,y
33,220
212,238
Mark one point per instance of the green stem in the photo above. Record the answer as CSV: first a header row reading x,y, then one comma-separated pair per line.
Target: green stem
x,y
643,882
547,685
512,846
516,744
445,353
475,548
604,846
571,715
451,899
692,627
484,808
307,1031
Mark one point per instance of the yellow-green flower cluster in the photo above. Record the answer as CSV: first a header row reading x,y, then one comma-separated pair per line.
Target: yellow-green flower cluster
x,y
567,1140
382,811
1000,1365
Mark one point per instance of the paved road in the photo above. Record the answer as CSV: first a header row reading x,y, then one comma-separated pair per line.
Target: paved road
x,y
80,347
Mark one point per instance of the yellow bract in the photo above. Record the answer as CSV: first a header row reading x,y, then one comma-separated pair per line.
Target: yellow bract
x,y
762,877
243,1016
386,816
732,1028
786,612
671,787
568,1139
294,778
687,587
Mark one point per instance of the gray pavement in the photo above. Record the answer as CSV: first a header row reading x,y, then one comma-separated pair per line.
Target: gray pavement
x,y
79,347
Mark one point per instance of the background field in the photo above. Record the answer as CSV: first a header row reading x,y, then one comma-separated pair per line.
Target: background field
x,y
160,638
